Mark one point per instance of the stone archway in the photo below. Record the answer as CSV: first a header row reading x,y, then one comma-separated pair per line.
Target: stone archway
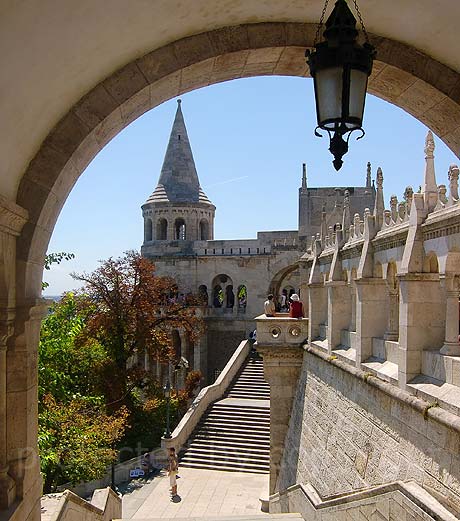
x,y
404,76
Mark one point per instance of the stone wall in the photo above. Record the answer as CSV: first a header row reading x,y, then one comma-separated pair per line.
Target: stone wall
x,y
223,338
346,435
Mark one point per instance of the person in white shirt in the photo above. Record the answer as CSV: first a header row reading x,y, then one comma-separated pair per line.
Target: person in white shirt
x,y
269,306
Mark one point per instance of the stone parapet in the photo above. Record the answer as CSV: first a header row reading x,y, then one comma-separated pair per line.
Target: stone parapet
x,y
281,330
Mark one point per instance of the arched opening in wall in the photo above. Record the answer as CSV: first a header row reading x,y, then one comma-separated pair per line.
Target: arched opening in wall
x,y
148,230
204,230
203,294
162,229
242,298
451,283
179,230
392,330
223,295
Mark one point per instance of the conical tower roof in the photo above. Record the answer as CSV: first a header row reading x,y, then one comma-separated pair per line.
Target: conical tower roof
x,y
178,181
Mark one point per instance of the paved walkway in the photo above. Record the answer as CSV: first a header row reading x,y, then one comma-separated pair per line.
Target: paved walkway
x,y
202,493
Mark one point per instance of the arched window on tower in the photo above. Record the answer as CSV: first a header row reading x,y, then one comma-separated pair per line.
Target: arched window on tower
x,y
204,230
148,232
179,230
203,294
162,229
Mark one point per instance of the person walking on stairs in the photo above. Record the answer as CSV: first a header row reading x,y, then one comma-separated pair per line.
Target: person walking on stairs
x,y
172,471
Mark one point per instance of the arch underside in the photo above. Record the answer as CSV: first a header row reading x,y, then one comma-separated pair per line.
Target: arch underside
x,y
418,84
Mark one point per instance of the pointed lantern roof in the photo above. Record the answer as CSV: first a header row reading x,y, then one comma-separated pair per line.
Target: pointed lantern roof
x,y
178,181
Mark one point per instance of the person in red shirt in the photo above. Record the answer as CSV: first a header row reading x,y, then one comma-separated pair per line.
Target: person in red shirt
x,y
296,307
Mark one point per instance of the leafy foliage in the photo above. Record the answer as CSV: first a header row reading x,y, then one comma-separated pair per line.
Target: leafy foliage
x,y
76,440
93,399
55,258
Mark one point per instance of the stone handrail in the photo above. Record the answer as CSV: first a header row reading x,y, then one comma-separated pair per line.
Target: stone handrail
x,y
281,330
305,499
104,506
207,396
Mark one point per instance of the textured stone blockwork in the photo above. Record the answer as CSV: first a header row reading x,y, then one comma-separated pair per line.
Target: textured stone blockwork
x,y
345,435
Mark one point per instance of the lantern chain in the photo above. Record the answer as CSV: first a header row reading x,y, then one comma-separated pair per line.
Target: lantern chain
x,y
361,20
321,23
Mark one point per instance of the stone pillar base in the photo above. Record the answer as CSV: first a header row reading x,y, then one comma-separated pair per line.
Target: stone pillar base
x,y
7,490
451,349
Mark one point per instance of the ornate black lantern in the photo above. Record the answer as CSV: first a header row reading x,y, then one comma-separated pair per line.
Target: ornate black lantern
x,y
340,68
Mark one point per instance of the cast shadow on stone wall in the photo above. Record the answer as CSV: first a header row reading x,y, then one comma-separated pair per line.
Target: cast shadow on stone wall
x,y
293,454
346,435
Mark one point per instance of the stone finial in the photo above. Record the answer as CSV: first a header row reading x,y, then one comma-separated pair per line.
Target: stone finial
x,y
394,207
408,196
442,190
337,194
368,175
453,182
402,210
429,145
304,176
430,187
379,206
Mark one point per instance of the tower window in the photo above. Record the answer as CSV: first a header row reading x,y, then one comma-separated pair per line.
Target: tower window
x,y
179,230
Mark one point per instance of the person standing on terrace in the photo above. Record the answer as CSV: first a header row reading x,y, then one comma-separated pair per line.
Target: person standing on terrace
x,y
296,307
269,306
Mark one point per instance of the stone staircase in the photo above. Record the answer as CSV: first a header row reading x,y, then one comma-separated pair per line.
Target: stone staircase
x,y
234,433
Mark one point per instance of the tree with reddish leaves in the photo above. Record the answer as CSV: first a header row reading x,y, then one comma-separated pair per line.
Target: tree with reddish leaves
x,y
134,311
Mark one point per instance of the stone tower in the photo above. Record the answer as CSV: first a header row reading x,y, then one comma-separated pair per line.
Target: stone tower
x,y
178,210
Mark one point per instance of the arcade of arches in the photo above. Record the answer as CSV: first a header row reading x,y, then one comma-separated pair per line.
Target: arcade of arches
x,y
86,76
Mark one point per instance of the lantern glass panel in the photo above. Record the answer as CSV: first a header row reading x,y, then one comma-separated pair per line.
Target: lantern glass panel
x,y
328,83
358,87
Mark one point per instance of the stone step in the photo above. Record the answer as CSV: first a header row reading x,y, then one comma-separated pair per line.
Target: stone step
x,y
229,426
224,431
228,461
237,417
221,456
228,468
237,422
230,447
248,396
254,517
263,442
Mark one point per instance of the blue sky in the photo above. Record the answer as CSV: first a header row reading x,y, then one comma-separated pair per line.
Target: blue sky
x,y
249,138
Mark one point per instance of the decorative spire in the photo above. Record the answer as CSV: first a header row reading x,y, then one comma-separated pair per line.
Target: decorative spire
x,y
429,188
178,181
379,206
323,225
346,214
304,177
368,175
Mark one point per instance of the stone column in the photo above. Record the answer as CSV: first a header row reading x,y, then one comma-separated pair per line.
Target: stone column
x,y
12,220
282,366
421,321
392,330
338,311
451,344
370,315
317,309
7,484
353,306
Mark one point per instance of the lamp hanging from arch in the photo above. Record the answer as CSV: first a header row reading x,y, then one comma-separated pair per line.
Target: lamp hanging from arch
x,y
340,68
